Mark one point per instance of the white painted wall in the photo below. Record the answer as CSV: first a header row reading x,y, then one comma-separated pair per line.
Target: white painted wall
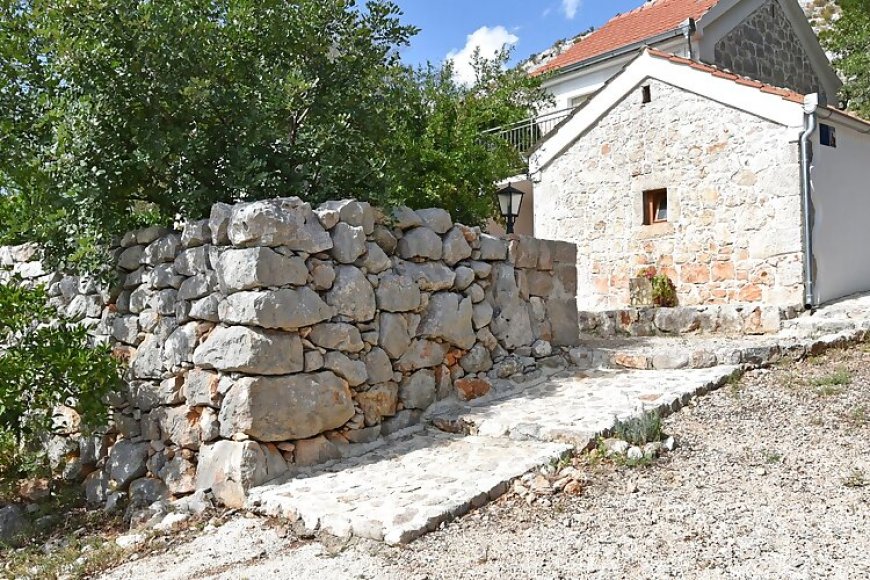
x,y
841,202
586,81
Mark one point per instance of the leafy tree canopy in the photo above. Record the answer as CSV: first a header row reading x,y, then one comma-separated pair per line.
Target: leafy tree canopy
x,y
113,113
848,39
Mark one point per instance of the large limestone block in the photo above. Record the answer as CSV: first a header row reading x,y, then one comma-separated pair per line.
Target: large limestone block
x,y
378,366
202,389
180,345
278,222
448,317
195,234
148,361
378,402
455,246
352,212
348,243
418,390
492,248
393,335
284,408
218,222
193,261
131,258
563,317
337,336
230,468
180,425
127,462
420,243
511,324
352,294
353,371
429,276
249,350
398,294
162,250
259,268
436,219
375,259
285,309
422,354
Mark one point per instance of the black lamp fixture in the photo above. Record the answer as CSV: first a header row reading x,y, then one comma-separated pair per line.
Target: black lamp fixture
x,y
509,201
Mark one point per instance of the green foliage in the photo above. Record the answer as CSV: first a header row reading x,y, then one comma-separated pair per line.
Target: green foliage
x,y
440,153
848,39
112,109
640,430
664,293
46,362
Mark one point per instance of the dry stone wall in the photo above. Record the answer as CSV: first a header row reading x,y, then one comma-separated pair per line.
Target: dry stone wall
x,y
274,336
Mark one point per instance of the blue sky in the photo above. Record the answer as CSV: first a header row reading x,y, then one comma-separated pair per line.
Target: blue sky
x,y
453,27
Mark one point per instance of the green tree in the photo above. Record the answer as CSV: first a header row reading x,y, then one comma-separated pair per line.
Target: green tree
x,y
443,152
115,113
848,39
112,107
46,361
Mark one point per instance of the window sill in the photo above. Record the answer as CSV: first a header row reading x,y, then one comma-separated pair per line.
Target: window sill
x,y
656,230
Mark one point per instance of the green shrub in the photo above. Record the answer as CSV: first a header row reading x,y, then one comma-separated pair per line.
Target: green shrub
x,y
664,293
640,430
45,361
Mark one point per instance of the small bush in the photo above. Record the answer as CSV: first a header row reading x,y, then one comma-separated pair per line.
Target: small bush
x,y
45,361
664,292
640,430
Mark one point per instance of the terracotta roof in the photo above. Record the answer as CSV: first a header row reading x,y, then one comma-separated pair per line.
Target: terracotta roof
x,y
786,94
653,18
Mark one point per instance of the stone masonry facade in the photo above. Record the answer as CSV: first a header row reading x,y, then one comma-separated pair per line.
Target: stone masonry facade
x,y
274,336
733,234
765,47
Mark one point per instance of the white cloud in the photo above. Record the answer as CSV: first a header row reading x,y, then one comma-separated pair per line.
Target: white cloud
x,y
570,8
488,40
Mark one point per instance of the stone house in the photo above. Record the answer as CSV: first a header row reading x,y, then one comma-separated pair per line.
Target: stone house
x,y
680,146
707,176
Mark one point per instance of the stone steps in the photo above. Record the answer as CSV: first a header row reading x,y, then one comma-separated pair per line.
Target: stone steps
x,y
405,488
411,485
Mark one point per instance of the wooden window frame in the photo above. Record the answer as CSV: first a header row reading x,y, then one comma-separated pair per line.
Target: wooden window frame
x,y
652,205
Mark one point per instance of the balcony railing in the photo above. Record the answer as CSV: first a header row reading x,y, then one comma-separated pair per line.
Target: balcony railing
x,y
525,134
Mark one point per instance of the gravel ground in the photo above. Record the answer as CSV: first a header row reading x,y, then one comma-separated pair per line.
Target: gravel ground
x,y
771,479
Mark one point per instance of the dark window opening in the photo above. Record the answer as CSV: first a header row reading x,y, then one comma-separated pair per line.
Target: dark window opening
x,y
828,135
655,206
647,94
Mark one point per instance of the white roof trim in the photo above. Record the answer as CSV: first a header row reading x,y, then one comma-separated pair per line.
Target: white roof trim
x,y
801,27
748,99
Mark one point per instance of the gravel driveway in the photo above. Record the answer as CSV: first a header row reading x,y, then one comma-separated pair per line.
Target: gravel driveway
x,y
771,479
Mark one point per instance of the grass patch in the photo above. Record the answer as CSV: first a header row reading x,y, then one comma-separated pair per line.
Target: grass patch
x,y
73,543
859,416
771,457
640,430
839,378
855,479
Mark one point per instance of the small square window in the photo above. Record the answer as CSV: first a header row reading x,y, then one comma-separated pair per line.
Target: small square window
x,y
646,93
655,206
828,135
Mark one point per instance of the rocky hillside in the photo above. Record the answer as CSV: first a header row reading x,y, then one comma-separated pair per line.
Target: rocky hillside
x,y
820,12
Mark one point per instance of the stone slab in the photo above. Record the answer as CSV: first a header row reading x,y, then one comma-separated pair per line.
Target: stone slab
x,y
405,488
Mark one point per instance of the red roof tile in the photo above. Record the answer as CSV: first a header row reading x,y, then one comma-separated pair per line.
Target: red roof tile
x,y
786,94
653,18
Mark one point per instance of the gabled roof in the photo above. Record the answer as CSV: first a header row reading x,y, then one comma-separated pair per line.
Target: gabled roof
x,y
654,18
781,106
787,94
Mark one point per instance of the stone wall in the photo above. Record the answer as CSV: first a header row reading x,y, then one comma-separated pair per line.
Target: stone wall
x,y
733,233
765,47
274,336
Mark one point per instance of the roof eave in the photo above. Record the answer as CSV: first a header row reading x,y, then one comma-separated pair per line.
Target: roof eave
x,y
617,52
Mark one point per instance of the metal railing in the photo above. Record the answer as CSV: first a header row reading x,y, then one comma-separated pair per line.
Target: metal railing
x,y
525,134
